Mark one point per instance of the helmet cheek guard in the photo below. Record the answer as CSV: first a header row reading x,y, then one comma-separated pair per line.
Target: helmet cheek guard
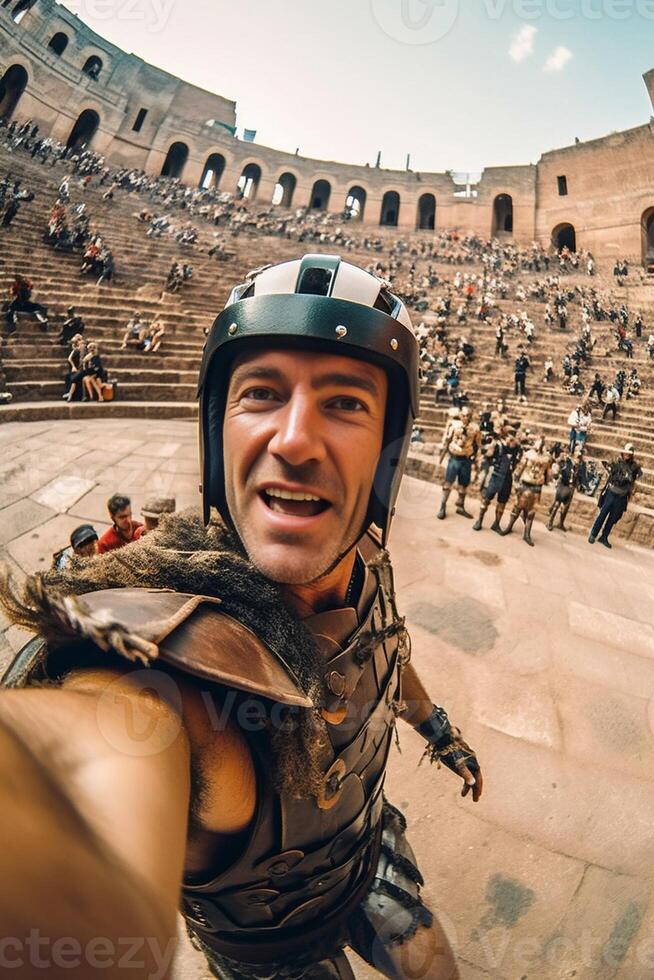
x,y
296,305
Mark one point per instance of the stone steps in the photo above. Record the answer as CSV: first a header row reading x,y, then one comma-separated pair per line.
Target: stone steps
x,y
45,410
132,391
43,374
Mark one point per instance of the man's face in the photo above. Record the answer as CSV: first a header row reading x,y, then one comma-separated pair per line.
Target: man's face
x,y
309,424
123,519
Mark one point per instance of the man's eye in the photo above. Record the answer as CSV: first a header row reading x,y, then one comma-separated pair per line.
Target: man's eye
x,y
259,394
348,404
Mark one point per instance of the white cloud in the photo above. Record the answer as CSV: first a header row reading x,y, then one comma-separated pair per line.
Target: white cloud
x,y
522,44
558,59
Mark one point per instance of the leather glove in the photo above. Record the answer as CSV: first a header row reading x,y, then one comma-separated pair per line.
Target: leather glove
x,y
445,744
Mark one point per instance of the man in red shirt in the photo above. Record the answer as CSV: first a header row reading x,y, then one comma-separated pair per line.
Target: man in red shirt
x,y
123,529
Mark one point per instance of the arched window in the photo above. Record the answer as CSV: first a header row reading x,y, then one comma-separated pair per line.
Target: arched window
x,y
502,215
58,43
320,194
284,190
647,234
93,67
21,9
175,160
427,212
83,131
355,203
248,182
390,209
564,236
213,171
12,85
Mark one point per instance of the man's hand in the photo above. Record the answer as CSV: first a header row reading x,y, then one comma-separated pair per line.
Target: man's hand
x,y
445,744
461,759
95,780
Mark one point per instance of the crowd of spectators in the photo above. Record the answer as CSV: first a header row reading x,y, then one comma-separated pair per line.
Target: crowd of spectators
x,y
457,285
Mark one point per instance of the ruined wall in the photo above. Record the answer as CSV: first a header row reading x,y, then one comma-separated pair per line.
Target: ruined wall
x,y
608,180
58,89
609,184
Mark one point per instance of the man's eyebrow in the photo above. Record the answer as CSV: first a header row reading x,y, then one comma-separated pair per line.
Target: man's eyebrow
x,y
337,378
252,372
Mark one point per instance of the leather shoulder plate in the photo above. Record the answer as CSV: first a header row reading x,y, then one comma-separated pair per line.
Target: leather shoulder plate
x,y
189,632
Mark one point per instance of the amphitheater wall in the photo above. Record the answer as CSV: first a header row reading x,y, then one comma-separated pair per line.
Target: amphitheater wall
x,y
143,111
609,187
59,89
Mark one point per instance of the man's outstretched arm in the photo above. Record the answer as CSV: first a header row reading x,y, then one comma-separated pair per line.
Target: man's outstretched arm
x,y
94,795
444,741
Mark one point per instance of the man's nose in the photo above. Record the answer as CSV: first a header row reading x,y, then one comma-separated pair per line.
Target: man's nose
x,y
298,437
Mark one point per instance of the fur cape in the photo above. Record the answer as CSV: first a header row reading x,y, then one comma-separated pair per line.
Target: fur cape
x,y
185,556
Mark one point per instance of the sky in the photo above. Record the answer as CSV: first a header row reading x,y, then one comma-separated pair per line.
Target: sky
x,y
458,84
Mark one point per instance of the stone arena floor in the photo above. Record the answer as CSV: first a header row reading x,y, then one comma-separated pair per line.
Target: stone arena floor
x,y
543,656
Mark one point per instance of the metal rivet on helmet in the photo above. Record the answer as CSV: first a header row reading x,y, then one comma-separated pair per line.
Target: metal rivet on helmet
x,y
232,328
394,344
341,331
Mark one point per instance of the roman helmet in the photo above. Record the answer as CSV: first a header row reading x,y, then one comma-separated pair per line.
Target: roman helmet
x,y
317,303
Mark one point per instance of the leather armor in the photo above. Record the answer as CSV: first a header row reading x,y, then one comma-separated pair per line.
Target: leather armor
x,y
306,863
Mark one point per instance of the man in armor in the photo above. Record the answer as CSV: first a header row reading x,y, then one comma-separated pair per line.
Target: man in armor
x,y
462,440
532,473
234,679
567,471
503,454
618,490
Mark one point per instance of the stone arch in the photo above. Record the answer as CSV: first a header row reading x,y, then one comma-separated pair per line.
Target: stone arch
x,y
213,171
355,203
564,236
12,85
426,220
173,165
390,209
647,238
20,9
248,182
502,223
320,195
93,66
85,128
284,190
58,43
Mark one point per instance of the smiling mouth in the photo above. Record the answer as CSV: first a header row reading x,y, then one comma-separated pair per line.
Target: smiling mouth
x,y
293,504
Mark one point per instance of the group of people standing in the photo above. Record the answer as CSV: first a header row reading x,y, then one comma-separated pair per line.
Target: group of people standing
x,y
508,459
